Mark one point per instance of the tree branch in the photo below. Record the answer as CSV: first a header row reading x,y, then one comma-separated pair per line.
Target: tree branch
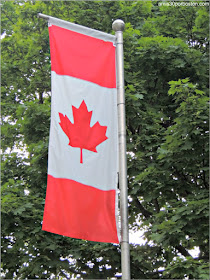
x,y
147,214
157,207
7,16
183,251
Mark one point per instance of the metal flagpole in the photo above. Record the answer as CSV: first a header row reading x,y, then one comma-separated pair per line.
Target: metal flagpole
x,y
118,26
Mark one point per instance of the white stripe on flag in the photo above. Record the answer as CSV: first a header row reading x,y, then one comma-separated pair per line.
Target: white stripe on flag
x,y
64,160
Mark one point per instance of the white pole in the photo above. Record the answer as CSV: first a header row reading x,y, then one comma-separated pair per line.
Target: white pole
x,y
118,26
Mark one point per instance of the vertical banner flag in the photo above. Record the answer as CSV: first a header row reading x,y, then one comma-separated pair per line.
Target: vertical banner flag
x,y
81,197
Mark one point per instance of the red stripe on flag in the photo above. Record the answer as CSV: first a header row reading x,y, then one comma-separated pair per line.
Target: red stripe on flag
x,y
80,211
82,57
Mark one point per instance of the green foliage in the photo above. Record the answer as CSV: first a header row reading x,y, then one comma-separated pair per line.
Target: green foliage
x,y
166,85
194,269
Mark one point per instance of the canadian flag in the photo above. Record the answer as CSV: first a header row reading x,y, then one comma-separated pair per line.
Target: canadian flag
x,y
81,198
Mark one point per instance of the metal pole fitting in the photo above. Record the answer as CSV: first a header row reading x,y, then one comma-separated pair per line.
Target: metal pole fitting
x,y
40,15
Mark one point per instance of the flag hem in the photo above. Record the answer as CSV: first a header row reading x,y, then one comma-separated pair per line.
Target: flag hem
x,y
82,29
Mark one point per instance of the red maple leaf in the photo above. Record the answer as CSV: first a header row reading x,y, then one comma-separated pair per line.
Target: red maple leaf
x,y
80,134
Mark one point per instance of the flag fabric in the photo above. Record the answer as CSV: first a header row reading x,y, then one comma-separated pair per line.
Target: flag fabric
x,y
81,197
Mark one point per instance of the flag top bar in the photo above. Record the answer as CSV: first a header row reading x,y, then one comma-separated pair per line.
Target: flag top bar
x,y
79,28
